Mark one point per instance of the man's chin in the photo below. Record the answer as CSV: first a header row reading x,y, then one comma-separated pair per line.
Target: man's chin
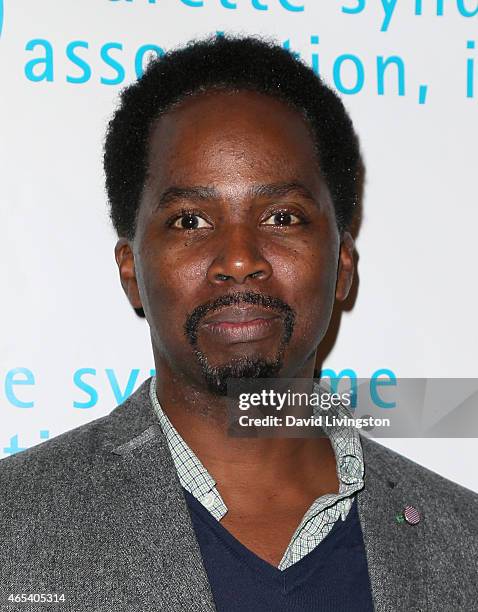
x,y
244,367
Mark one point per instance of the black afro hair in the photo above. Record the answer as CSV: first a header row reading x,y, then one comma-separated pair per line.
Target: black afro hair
x,y
229,63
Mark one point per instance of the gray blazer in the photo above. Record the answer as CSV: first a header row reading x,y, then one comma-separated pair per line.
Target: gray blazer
x,y
98,514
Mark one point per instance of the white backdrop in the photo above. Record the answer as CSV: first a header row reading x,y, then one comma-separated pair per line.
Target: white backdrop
x,y
67,332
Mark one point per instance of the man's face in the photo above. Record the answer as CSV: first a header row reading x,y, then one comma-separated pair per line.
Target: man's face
x,y
237,256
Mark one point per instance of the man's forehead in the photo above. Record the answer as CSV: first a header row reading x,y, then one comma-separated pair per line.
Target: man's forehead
x,y
237,154
230,119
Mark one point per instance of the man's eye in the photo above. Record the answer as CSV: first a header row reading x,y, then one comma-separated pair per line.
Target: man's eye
x,y
189,221
282,218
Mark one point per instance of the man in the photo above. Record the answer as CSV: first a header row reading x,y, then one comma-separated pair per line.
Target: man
x,y
233,174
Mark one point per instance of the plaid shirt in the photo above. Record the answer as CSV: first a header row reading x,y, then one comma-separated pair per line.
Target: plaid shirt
x,y
322,514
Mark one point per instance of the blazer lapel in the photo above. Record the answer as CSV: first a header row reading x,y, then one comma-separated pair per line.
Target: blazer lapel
x,y
396,552
150,541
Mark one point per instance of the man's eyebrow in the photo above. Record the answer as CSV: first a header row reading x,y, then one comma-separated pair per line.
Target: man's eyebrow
x,y
271,190
278,190
173,194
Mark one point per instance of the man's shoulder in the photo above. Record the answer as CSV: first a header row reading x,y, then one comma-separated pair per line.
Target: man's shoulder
x,y
74,451
447,501
75,445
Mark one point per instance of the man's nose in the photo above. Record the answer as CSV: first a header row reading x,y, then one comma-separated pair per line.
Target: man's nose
x,y
238,258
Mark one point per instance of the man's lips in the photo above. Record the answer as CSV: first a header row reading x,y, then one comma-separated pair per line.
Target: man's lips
x,y
240,314
242,324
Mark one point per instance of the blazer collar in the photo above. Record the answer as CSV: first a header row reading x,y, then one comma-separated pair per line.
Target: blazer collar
x,y
142,479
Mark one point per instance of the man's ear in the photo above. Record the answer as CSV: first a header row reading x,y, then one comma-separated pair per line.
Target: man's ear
x,y
125,261
345,272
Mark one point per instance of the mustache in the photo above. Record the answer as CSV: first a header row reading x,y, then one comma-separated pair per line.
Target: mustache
x,y
239,297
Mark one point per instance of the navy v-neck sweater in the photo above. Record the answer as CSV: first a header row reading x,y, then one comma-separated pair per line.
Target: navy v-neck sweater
x,y
333,577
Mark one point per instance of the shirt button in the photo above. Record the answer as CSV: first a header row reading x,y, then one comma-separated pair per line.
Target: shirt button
x,y
208,500
349,470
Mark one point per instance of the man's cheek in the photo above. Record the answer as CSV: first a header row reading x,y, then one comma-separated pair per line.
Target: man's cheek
x,y
315,310
179,283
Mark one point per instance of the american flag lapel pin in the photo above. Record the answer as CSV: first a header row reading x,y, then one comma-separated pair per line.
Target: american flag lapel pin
x,y
409,514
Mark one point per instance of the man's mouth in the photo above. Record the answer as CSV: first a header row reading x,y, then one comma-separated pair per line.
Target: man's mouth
x,y
242,323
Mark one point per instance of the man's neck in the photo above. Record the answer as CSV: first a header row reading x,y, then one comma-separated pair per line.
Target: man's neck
x,y
252,468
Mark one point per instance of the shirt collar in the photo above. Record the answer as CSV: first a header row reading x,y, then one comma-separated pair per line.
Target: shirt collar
x,y
193,476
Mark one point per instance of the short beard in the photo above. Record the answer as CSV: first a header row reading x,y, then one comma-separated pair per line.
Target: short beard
x,y
216,377
244,366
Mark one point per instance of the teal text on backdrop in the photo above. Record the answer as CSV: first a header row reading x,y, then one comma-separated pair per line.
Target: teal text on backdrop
x,y
87,380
